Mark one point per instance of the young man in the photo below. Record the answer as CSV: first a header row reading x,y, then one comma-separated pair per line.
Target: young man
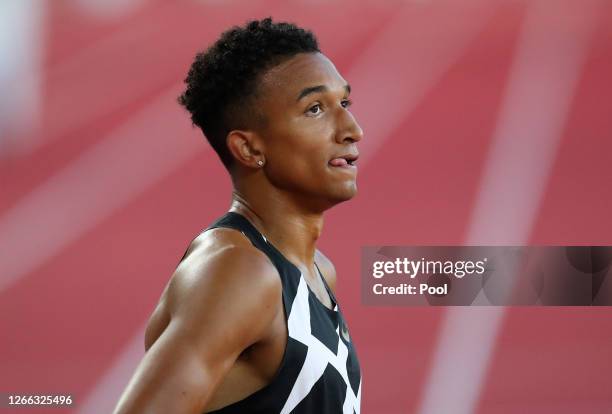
x,y
248,322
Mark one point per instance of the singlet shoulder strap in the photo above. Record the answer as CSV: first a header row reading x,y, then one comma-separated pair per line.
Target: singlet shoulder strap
x,y
239,222
329,291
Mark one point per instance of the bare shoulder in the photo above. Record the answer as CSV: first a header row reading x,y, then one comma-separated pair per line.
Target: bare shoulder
x,y
223,279
327,268
225,262
223,297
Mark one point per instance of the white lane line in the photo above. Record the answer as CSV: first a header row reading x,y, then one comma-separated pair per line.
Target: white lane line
x,y
113,382
399,68
542,83
22,30
105,178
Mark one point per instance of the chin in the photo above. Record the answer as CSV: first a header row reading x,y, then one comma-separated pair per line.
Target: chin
x,y
326,197
345,194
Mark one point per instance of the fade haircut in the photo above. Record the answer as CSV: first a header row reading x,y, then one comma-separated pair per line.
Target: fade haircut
x,y
222,82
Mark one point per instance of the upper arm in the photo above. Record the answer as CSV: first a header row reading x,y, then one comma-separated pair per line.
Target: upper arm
x,y
158,321
219,304
327,268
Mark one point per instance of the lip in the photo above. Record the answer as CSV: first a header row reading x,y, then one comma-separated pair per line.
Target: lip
x,y
350,158
347,167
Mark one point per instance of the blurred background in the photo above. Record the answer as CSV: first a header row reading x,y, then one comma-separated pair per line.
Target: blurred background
x,y
486,122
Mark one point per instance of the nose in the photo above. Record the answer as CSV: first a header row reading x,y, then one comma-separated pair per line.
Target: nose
x,y
348,128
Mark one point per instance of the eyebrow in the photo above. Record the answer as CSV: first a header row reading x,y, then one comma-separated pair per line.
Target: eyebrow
x,y
319,88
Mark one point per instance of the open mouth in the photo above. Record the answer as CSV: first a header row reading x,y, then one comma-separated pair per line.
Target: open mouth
x,y
344,161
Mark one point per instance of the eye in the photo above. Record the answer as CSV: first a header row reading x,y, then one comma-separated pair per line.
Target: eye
x,y
346,103
315,109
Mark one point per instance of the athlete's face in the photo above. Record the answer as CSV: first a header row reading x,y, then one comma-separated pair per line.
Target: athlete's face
x,y
310,136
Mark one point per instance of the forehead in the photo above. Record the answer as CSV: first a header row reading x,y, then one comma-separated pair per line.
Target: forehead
x,y
290,77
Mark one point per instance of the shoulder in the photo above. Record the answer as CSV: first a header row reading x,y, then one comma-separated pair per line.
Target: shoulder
x,y
327,268
223,279
223,297
224,260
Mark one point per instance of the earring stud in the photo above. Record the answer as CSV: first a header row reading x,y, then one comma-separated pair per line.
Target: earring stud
x,y
260,163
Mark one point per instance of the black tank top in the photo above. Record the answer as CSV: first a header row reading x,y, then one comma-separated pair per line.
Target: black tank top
x,y
319,372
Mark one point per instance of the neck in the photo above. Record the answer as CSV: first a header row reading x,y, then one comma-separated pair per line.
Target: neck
x,y
290,229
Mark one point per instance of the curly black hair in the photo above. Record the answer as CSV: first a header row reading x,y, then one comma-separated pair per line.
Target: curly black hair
x,y
222,80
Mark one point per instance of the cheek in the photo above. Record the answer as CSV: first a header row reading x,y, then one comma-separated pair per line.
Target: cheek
x,y
298,167
301,148
299,163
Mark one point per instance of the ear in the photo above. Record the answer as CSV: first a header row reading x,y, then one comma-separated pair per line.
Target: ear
x,y
246,147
